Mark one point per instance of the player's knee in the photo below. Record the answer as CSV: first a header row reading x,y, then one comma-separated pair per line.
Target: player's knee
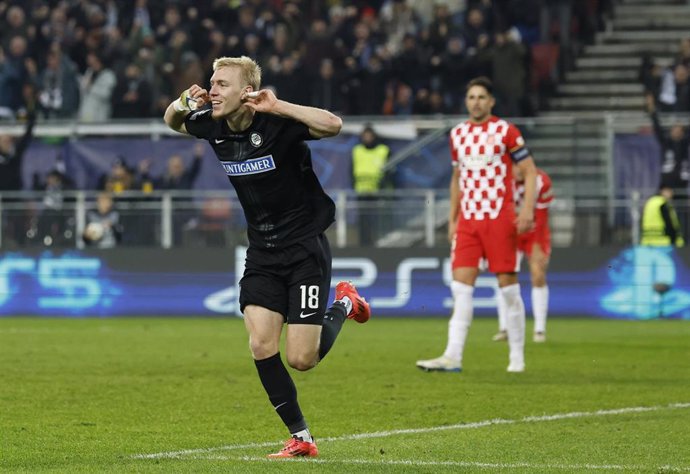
x,y
262,348
302,361
538,276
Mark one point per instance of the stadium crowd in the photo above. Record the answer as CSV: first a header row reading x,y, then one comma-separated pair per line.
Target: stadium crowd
x,y
94,60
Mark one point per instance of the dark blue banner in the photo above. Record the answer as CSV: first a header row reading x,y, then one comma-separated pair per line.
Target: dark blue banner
x,y
610,283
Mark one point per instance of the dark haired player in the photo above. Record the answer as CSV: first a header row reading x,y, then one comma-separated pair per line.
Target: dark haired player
x,y
483,224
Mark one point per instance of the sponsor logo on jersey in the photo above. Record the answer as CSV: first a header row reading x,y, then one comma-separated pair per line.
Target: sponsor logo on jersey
x,y
478,160
255,139
253,166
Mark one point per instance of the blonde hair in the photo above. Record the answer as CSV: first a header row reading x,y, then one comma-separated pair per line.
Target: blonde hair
x,y
250,70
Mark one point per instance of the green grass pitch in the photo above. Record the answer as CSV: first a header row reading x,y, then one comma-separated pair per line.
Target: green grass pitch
x,y
181,395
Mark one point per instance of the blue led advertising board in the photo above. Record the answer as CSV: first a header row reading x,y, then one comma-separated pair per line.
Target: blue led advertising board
x,y
609,282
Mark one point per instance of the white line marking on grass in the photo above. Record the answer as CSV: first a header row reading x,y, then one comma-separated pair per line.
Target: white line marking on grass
x,y
480,465
431,429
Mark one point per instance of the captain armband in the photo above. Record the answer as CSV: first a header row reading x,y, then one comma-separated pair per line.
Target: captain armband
x,y
520,154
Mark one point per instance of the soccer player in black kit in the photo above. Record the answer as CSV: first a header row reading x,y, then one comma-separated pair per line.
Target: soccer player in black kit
x,y
260,142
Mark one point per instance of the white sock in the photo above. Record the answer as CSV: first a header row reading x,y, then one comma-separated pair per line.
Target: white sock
x,y
502,310
460,321
540,307
348,304
304,435
515,319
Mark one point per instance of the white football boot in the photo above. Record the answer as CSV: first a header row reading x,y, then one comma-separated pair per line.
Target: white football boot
x,y
440,364
516,365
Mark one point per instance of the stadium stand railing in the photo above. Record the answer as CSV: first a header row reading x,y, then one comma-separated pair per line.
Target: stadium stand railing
x,y
591,206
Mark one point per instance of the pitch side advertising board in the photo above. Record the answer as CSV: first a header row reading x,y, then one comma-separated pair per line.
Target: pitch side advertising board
x,y
597,282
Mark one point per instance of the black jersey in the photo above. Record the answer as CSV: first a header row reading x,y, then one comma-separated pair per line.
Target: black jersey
x,y
269,164
675,160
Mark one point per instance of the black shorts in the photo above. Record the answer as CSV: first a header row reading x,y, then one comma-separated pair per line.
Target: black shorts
x,y
294,281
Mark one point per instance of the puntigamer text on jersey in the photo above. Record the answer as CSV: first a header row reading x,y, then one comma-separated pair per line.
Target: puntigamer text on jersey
x,y
253,166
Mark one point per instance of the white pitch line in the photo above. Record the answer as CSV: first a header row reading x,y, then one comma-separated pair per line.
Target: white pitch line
x,y
480,465
431,429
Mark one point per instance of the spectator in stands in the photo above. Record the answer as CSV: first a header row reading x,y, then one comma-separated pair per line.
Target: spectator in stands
x,y
12,152
318,47
480,58
475,28
53,226
97,85
660,224
510,73
119,179
103,229
674,92
410,65
15,26
403,100
526,17
422,102
177,175
279,46
287,82
58,87
454,70
171,43
13,77
441,28
172,20
251,46
399,19
437,105
292,16
325,89
369,157
372,79
650,75
57,29
683,56
364,46
132,94
675,163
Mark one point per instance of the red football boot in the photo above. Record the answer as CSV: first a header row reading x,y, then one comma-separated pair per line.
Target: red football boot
x,y
360,308
295,447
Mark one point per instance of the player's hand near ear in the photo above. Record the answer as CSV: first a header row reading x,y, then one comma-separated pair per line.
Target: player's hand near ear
x,y
263,100
191,99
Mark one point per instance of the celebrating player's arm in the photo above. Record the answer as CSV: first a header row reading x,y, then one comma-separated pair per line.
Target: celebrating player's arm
x,y
321,123
190,99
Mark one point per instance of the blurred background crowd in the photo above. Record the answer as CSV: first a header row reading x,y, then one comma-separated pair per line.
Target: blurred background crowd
x,y
94,60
